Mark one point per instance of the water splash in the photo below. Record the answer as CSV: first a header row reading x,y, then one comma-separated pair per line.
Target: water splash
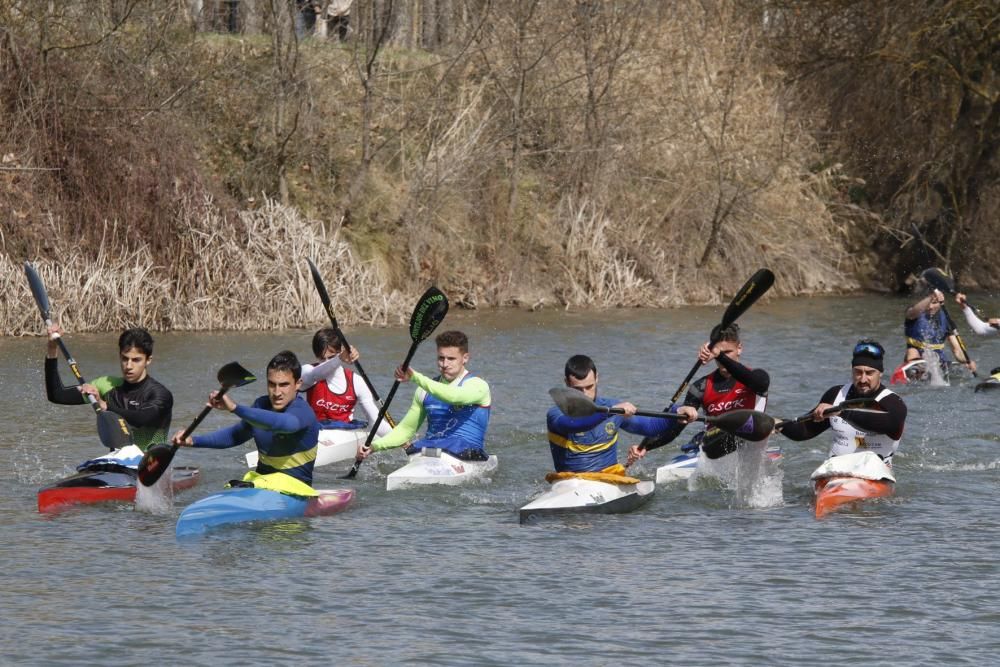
x,y
159,498
753,478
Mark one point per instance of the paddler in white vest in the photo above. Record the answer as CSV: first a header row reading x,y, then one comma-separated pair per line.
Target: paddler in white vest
x,y
590,444
855,430
333,391
455,405
732,386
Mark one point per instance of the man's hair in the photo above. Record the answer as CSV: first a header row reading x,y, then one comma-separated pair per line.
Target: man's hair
x,y
325,338
579,366
453,339
729,334
138,338
286,361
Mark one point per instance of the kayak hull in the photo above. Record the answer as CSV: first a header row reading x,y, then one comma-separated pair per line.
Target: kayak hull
x,y
851,478
583,496
434,466
105,483
244,505
334,445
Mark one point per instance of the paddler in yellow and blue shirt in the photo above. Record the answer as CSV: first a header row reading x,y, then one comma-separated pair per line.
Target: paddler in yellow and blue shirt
x,y
455,405
282,425
590,444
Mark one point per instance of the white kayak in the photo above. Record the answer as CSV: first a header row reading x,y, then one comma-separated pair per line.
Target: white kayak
x,y
685,464
434,466
578,495
335,444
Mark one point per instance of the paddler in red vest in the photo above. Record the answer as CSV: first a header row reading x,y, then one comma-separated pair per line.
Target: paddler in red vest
x,y
855,430
333,391
455,405
732,386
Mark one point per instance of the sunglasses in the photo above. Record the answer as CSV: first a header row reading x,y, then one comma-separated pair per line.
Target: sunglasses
x,y
872,349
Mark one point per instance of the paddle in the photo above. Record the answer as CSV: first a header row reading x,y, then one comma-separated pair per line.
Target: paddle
x,y
427,315
157,458
324,296
111,429
942,281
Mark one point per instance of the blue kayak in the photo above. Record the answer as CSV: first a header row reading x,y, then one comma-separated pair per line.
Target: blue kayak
x,y
250,504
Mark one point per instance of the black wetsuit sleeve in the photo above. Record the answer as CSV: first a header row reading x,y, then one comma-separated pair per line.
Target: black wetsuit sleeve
x,y
889,422
810,429
55,391
155,405
756,380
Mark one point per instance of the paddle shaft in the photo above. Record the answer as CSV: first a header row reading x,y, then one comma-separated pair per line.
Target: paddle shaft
x,y
853,403
647,413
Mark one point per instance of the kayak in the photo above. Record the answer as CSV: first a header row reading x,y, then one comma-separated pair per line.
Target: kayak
x,y
435,466
851,478
104,482
243,505
685,464
335,445
910,371
579,495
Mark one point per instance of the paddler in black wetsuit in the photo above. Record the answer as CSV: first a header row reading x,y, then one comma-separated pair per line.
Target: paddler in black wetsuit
x,y
145,404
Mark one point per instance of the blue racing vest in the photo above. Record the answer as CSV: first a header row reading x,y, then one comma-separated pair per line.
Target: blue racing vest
x,y
454,428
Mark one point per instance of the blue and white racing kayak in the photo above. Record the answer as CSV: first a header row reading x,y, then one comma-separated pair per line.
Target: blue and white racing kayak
x,y
251,504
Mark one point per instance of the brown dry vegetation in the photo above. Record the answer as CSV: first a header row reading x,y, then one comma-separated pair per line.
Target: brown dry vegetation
x,y
528,152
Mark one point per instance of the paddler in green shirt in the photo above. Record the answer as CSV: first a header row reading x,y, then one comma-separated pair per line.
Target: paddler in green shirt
x,y
456,406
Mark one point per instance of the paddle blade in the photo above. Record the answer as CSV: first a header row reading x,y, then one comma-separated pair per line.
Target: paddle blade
x,y
324,296
37,290
430,310
749,425
754,288
112,430
233,375
938,279
573,402
155,462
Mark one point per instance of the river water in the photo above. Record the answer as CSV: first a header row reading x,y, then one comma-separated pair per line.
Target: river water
x,y
449,577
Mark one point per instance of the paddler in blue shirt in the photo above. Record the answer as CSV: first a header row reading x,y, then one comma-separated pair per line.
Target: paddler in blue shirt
x,y
590,444
926,328
282,425
456,406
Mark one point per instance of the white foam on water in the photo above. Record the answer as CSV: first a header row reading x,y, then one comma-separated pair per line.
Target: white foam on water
x,y
933,366
156,499
753,478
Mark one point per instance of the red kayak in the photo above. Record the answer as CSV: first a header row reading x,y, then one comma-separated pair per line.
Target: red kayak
x,y
104,483
851,478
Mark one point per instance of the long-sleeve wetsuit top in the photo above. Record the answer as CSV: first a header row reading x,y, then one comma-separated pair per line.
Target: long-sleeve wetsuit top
x,y
890,422
332,372
977,325
590,444
145,406
286,440
457,414
741,379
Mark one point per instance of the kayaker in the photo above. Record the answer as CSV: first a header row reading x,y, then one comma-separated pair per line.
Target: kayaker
x,y
855,430
456,406
731,386
590,444
991,327
333,391
144,404
281,424
926,328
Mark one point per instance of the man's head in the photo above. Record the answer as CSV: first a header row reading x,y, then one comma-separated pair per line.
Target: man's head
x,y
453,354
135,352
867,365
728,343
581,373
327,344
284,375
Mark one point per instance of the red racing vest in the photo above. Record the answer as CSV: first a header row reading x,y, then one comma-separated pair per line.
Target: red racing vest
x,y
330,406
739,397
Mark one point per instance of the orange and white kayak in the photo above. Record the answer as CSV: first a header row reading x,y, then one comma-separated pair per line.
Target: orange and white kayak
x,y
851,478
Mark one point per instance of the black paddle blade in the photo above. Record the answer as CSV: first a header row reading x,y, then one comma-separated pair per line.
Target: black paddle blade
x,y
573,402
37,290
938,279
749,425
430,310
717,443
754,288
324,296
234,375
112,430
155,462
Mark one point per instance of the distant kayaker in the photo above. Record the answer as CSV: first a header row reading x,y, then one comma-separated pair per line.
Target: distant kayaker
x,y
991,327
855,430
455,405
144,404
731,386
590,444
333,391
926,328
281,424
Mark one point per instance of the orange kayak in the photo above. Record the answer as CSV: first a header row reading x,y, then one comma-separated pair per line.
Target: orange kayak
x,y
851,478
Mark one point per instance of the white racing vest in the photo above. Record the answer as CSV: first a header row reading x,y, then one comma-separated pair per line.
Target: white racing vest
x,y
848,439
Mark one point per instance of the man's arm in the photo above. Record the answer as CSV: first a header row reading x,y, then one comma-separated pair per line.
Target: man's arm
x,y
473,391
55,391
914,311
405,429
313,373
559,423
224,438
976,324
889,422
810,429
756,380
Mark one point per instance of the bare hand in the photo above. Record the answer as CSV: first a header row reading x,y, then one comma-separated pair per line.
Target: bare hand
x,y
819,410
687,413
363,452
635,452
186,442
221,402
627,408
706,353
403,374
960,300
349,354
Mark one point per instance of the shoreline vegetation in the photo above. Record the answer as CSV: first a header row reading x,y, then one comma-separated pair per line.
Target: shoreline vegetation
x,y
169,166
